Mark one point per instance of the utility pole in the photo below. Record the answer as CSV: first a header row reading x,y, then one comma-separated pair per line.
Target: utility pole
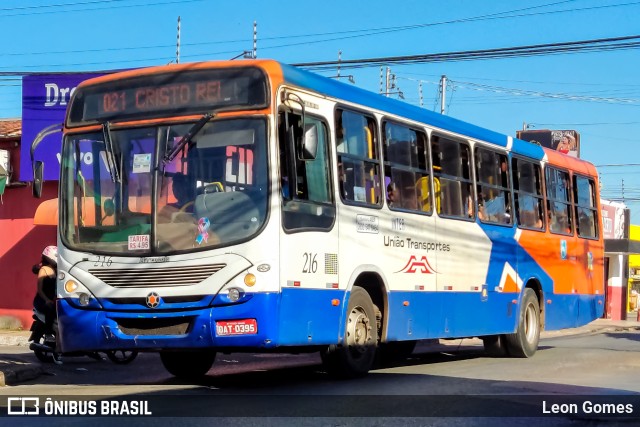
x,y
255,40
443,93
388,82
178,43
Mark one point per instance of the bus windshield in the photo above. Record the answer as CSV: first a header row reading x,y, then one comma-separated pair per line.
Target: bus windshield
x,y
122,195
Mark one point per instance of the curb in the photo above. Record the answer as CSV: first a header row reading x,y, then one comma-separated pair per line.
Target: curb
x,y
16,373
14,340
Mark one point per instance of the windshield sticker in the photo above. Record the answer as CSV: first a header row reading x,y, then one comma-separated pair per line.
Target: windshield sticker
x,y
138,242
203,230
142,163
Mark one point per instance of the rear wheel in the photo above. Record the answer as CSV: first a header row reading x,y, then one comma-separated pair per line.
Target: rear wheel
x,y
524,342
188,364
355,356
495,345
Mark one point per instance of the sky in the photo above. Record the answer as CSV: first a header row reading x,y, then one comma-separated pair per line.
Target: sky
x,y
595,92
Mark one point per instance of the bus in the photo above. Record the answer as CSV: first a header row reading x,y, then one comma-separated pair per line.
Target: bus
x,y
253,206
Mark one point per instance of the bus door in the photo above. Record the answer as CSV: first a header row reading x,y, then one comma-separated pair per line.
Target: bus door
x,y
309,238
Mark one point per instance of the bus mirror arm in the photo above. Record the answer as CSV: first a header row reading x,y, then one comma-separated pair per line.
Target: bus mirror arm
x,y
38,166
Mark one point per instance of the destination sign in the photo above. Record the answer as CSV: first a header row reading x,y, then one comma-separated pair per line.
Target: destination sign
x,y
168,94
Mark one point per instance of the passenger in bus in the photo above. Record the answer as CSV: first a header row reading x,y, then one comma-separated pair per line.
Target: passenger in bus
x,y
392,195
558,222
470,210
481,213
409,199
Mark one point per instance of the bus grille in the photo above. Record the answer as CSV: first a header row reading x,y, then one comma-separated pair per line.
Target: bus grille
x,y
168,326
156,277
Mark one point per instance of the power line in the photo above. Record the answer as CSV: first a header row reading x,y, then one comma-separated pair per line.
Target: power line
x,y
594,45
525,92
29,10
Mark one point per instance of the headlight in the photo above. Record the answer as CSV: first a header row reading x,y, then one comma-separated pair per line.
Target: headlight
x,y
78,295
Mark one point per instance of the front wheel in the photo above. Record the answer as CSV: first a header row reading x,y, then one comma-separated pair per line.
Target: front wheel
x,y
122,357
524,342
354,357
188,364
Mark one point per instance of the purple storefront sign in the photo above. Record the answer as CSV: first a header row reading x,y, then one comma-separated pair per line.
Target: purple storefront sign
x,y
44,103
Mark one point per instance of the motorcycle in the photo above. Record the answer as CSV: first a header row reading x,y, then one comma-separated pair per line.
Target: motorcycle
x,y
43,345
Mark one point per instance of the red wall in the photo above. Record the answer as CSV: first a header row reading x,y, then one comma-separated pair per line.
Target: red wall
x,y
21,245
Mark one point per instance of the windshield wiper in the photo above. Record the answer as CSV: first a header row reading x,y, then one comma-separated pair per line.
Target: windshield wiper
x,y
187,137
111,156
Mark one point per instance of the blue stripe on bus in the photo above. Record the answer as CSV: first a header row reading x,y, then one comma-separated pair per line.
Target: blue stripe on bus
x,y
527,149
349,93
307,317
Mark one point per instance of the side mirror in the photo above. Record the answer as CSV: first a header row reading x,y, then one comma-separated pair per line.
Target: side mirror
x,y
38,172
309,147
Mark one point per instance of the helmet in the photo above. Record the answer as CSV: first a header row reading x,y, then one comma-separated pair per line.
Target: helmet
x,y
51,254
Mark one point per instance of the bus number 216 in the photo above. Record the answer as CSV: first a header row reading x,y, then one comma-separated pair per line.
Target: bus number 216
x,y
310,263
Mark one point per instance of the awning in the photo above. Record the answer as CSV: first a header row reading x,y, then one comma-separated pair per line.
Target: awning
x,y
621,246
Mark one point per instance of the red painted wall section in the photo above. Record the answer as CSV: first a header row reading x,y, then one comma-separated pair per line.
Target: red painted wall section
x,y
21,245
616,309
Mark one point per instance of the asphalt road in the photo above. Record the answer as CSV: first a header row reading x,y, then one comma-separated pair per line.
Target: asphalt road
x,y
447,384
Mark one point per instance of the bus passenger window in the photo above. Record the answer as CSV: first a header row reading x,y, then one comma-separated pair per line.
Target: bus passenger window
x,y
527,186
358,159
585,210
492,173
559,201
405,163
452,176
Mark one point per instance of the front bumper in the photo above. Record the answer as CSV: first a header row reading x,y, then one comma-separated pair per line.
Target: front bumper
x,y
153,329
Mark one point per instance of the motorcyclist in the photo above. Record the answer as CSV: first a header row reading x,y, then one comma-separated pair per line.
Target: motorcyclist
x,y
45,298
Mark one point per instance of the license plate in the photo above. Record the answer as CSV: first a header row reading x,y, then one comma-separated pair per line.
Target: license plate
x,y
236,327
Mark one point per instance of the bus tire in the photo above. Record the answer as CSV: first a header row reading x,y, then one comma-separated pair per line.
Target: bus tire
x,y
188,364
122,357
524,342
495,345
354,357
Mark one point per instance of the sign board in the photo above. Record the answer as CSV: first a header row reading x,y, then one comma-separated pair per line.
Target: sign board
x,y
565,141
614,220
4,170
44,103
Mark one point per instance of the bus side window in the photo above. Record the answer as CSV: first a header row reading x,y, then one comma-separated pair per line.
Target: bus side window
x,y
406,163
358,158
585,206
527,186
452,176
559,201
307,199
492,174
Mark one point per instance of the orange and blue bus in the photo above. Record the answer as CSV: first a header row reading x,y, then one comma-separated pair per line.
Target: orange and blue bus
x,y
254,206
